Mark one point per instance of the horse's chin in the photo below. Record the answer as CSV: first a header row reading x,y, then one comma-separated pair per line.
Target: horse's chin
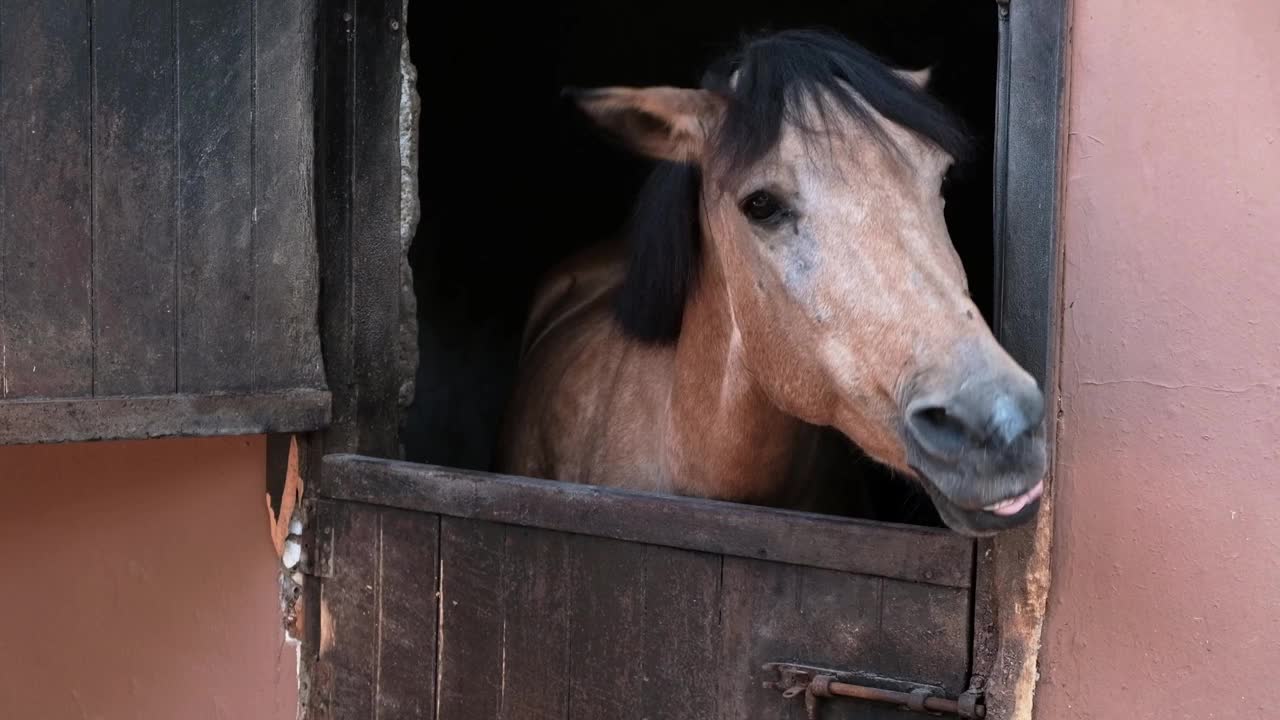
x,y
981,522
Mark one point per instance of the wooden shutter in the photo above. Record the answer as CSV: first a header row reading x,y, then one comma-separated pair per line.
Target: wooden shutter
x,y
158,263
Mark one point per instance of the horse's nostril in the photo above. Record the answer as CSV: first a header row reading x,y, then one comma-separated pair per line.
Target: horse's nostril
x,y
979,416
941,432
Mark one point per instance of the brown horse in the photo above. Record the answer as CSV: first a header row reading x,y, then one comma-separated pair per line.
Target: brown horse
x,y
789,270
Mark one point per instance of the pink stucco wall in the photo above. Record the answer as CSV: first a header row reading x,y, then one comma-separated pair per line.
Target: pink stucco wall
x,y
138,581
1165,600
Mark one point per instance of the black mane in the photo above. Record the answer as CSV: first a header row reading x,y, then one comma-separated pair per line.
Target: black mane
x,y
780,75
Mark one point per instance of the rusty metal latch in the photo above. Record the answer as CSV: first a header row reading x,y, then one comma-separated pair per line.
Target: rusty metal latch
x,y
817,684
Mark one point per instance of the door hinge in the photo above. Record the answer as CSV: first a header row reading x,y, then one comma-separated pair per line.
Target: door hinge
x,y
317,556
816,684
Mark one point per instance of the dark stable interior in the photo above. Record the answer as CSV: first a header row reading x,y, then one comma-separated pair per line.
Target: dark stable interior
x,y
513,179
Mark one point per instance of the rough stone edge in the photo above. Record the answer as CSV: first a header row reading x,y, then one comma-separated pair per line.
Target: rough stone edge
x,y
410,214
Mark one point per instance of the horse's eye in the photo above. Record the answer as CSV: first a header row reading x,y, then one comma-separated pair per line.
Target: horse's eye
x,y
763,208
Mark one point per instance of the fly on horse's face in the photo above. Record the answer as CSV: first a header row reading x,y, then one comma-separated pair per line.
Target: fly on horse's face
x,y
848,302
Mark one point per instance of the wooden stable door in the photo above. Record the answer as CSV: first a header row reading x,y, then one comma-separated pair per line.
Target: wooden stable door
x,y
464,596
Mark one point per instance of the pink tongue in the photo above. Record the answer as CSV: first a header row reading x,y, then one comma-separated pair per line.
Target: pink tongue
x,y
1013,506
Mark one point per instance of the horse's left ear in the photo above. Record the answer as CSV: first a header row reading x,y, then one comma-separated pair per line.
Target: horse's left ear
x,y
919,78
665,123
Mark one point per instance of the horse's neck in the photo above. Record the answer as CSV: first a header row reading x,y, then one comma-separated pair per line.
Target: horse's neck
x,y
725,438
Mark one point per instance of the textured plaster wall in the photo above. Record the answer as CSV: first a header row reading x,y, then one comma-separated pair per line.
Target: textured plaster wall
x,y
1165,600
138,581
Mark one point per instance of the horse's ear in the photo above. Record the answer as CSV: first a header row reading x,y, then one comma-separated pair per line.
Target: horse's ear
x,y
665,123
919,78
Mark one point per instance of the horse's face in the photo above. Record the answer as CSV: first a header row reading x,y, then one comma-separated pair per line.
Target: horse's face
x,y
850,305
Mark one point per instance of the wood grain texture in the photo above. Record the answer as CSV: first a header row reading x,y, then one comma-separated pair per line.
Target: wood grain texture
x,y
350,621
775,612
359,183
680,639
45,243
608,591
215,197
157,223
578,624
901,552
536,601
79,420
924,634
335,97
375,226
379,609
135,188
407,607
471,628
285,264
541,624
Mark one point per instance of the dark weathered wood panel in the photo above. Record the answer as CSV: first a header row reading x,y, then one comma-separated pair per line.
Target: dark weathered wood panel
x,y
606,637
45,243
378,635
540,624
924,634
135,188
680,631
504,651
215,198
902,552
133,136
36,421
378,27
778,613
350,623
335,91
538,609
576,622
407,608
471,628
286,344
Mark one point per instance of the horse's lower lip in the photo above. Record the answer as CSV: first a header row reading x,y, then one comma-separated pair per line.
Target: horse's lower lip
x,y
1014,505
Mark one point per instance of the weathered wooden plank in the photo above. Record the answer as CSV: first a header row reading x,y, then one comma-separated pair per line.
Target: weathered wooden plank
x,y
407,606
284,264
334,100
135,188
536,610
472,628
903,552
215,199
681,636
780,613
38,421
360,237
45,242
609,590
375,228
925,634
349,622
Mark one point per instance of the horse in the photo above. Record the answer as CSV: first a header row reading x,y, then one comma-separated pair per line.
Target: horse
x,y
786,272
